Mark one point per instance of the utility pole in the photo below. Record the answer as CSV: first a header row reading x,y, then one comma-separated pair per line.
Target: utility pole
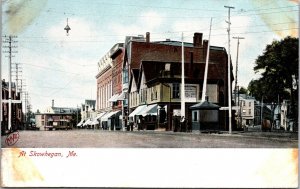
x,y
236,67
9,40
236,92
229,70
182,79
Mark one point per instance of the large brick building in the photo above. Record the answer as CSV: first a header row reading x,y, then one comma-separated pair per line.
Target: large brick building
x,y
151,59
109,88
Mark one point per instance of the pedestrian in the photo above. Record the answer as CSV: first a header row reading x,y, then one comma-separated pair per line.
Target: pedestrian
x,y
131,126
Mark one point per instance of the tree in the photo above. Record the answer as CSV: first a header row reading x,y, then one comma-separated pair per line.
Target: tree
x,y
243,90
278,66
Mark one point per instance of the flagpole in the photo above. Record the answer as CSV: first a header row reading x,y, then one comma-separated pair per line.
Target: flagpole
x,y
182,79
206,65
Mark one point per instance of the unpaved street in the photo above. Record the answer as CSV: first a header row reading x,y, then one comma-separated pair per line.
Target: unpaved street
x,y
150,139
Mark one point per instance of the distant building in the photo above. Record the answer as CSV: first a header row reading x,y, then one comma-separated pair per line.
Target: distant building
x,y
88,114
286,122
261,112
56,118
246,110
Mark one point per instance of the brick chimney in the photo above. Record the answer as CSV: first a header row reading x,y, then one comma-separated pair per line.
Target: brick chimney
x,y
198,39
205,44
147,37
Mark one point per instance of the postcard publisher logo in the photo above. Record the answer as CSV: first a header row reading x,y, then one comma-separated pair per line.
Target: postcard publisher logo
x,y
12,138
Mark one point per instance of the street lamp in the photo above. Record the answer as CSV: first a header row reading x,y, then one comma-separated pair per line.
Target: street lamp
x,y
67,28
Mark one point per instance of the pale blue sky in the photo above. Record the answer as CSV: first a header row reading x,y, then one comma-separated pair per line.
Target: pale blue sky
x,y
63,68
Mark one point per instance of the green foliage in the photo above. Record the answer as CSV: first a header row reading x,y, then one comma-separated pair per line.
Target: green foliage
x,y
243,90
277,65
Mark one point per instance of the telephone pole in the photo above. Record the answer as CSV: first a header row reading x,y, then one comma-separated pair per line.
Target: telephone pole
x,y
9,40
229,70
236,67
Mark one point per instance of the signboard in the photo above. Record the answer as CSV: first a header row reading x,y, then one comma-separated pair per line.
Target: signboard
x,y
190,93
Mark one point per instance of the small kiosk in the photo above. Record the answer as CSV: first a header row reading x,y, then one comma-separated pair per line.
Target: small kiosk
x,y
205,116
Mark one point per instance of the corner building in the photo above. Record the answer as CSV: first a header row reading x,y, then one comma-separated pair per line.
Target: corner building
x,y
154,80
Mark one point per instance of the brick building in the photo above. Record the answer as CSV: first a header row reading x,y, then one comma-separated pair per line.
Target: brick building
x,y
109,88
16,109
159,73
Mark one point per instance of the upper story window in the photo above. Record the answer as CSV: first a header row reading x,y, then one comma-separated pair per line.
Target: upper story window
x,y
125,76
249,104
175,90
153,93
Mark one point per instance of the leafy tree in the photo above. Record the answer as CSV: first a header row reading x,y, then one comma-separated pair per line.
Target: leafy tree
x,y
278,66
243,90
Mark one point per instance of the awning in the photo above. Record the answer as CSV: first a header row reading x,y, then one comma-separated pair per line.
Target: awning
x,y
87,122
113,98
94,121
150,110
100,115
121,96
108,115
80,123
137,110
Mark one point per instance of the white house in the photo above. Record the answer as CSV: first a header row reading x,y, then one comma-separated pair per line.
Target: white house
x,y
246,109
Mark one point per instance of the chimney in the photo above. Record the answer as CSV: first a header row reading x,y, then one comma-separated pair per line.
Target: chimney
x,y
205,44
147,37
52,103
198,39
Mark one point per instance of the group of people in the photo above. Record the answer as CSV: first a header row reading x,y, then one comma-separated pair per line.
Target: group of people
x,y
183,125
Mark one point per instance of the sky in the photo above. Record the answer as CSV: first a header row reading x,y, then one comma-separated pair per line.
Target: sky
x,y
63,67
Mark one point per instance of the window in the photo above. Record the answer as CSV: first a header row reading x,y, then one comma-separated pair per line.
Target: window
x,y
195,116
244,103
125,76
249,104
175,90
153,93
249,111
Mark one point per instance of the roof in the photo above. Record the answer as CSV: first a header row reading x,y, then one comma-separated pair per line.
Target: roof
x,y
245,96
205,105
59,110
164,51
174,43
90,103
